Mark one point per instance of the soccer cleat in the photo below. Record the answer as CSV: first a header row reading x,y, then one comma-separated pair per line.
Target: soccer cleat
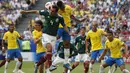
x,y
52,68
20,71
67,66
35,69
5,71
15,71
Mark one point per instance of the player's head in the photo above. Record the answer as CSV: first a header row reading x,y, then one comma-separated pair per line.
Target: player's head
x,y
38,25
11,27
110,35
94,26
54,9
48,5
82,30
61,5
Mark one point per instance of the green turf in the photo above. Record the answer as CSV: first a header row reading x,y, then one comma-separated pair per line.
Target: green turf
x,y
28,68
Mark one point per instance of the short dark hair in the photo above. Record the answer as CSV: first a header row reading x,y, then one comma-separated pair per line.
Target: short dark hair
x,y
60,3
82,28
110,32
56,7
39,22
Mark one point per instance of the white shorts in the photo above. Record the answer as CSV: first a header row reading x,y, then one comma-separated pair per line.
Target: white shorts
x,y
59,60
48,39
82,57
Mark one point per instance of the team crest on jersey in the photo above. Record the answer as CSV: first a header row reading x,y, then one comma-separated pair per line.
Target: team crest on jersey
x,y
48,17
57,20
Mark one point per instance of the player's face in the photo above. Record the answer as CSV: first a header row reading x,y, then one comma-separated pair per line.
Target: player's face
x,y
82,31
109,36
94,26
53,11
11,28
37,27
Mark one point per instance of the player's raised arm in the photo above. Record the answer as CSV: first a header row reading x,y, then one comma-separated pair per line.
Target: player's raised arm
x,y
29,11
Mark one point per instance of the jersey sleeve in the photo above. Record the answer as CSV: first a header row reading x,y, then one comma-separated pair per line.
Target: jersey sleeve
x,y
106,45
62,21
34,35
5,37
18,35
120,42
102,31
42,12
71,11
87,36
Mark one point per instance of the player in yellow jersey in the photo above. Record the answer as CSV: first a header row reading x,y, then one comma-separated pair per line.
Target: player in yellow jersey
x,y
12,37
40,49
114,45
67,13
95,36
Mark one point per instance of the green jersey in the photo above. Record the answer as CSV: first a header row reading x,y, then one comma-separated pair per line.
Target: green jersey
x,y
51,23
80,43
60,50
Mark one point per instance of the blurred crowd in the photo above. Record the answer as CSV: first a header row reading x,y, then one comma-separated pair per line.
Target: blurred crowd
x,y
10,12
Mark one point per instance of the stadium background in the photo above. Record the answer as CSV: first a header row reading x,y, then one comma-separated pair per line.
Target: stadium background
x,y
23,21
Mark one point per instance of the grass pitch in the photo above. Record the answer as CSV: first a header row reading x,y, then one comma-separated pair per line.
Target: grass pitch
x,y
28,67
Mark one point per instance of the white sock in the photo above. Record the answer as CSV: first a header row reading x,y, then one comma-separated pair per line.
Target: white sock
x,y
125,71
90,67
110,70
114,70
47,70
6,65
101,69
66,54
17,65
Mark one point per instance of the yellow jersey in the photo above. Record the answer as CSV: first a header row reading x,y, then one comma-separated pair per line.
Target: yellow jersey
x,y
66,15
40,48
114,47
11,39
95,38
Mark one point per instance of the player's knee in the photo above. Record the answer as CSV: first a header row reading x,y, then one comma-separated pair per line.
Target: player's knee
x,y
86,63
20,59
101,67
49,47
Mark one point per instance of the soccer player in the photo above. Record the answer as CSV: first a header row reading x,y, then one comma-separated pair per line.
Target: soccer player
x,y
61,56
52,21
82,55
40,49
67,13
114,45
11,37
95,36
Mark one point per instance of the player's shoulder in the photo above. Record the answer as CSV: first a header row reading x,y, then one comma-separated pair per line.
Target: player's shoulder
x,y
15,31
99,29
68,7
117,40
60,16
89,32
34,31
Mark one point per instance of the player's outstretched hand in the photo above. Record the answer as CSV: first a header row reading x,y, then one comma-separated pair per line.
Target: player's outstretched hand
x,y
22,11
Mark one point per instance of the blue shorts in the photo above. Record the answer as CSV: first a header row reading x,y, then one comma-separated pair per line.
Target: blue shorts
x,y
95,54
119,61
13,53
62,33
39,55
